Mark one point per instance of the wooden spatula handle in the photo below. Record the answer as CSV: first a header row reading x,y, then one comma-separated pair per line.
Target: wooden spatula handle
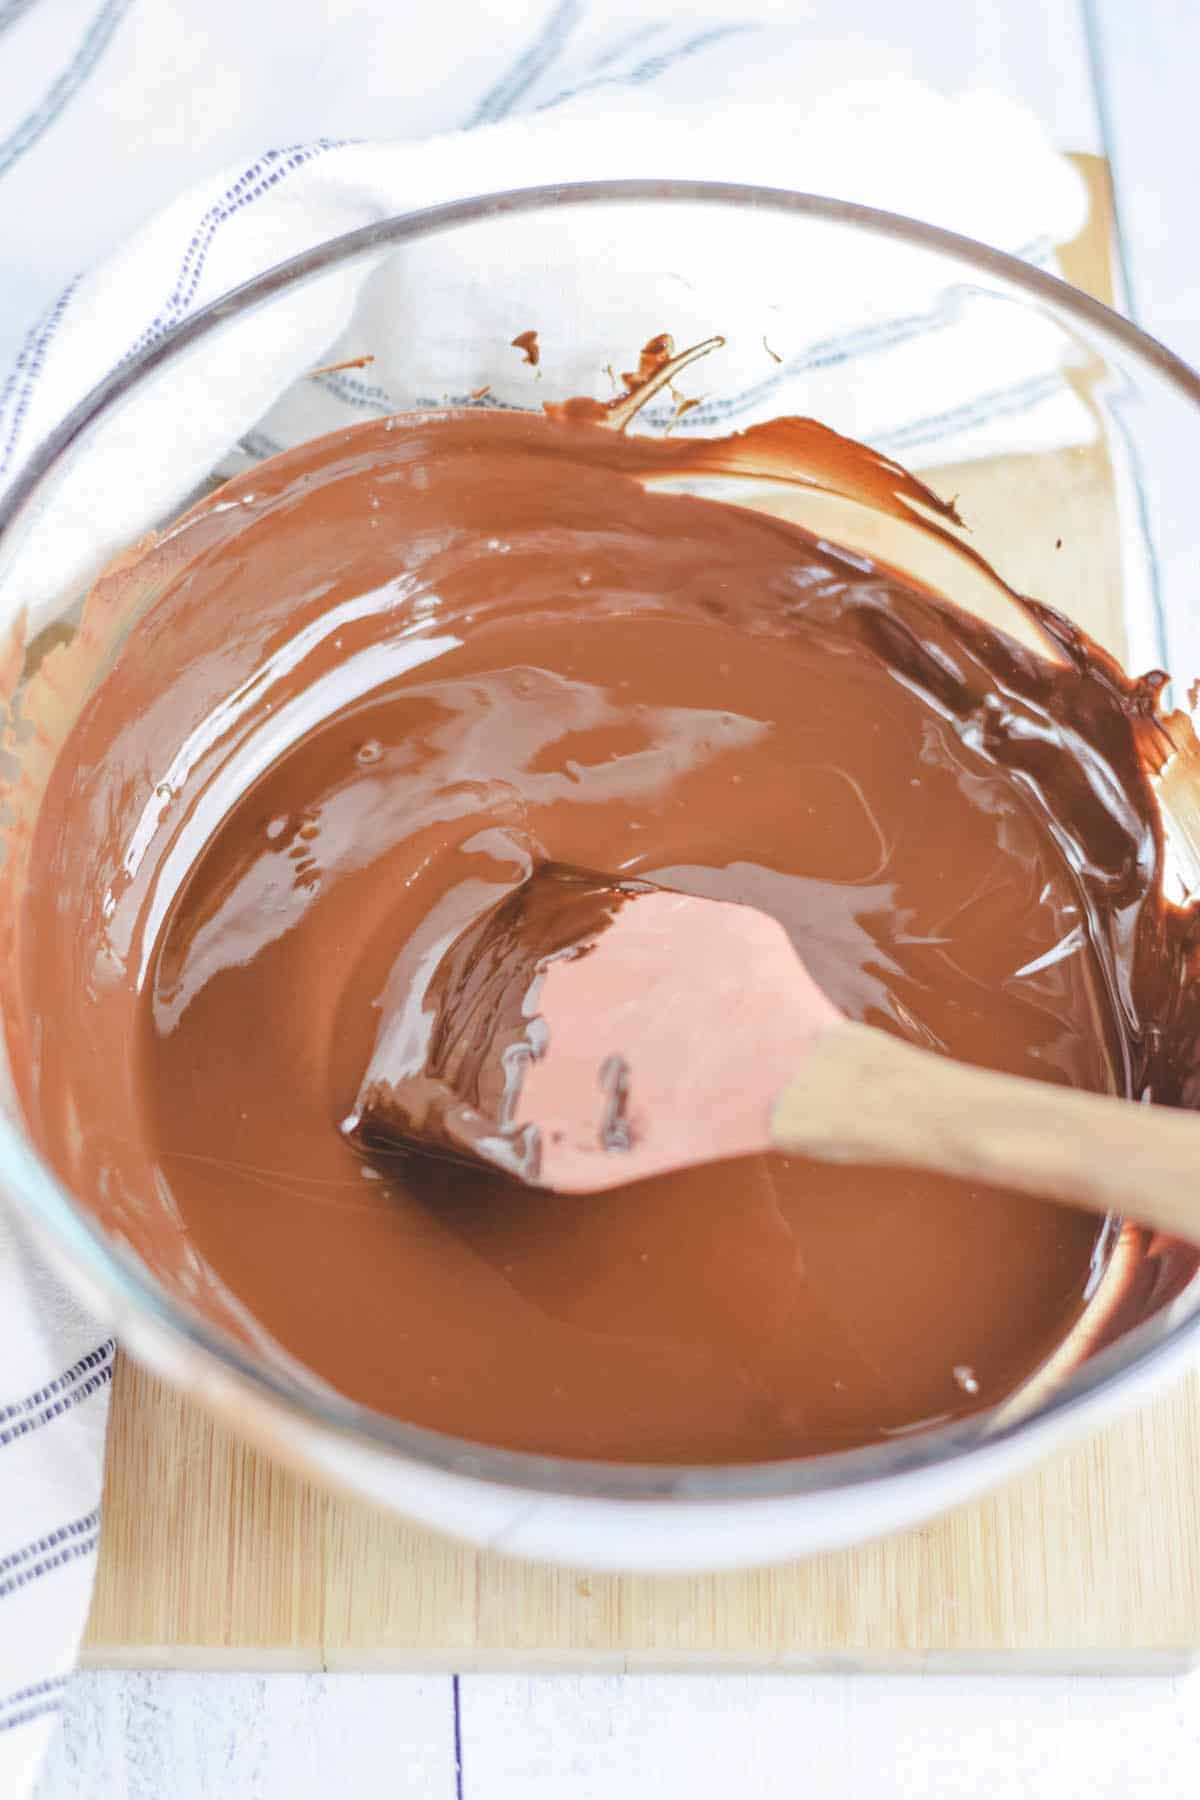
x,y
864,1096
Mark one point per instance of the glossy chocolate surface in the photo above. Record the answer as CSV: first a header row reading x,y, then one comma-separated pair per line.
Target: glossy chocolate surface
x,y
395,670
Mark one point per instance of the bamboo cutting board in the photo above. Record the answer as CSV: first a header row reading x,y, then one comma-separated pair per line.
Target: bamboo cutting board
x,y
212,1556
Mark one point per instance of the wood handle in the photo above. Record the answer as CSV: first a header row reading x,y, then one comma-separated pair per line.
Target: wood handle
x,y
863,1096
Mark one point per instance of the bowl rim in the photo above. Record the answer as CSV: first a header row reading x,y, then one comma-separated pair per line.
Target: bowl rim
x,y
101,1266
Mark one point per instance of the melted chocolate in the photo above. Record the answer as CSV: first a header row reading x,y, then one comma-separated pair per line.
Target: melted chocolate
x,y
527,343
384,676
456,1037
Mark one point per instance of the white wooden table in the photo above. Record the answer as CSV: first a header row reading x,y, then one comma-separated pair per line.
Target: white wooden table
x,y
1111,76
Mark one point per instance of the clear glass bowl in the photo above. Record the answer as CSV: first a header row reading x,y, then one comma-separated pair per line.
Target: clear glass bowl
x,y
1065,435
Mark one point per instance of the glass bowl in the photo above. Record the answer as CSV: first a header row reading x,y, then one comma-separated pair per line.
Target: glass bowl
x,y
1064,434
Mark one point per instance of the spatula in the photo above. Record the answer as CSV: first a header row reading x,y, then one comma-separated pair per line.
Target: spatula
x,y
589,1032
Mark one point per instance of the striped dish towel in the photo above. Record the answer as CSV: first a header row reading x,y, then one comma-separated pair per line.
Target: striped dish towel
x,y
536,102
55,1370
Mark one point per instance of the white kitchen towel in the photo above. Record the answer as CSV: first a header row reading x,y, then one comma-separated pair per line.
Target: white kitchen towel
x,y
55,1370
101,116
945,383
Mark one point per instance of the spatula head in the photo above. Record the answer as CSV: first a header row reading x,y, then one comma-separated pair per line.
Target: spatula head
x,y
588,1032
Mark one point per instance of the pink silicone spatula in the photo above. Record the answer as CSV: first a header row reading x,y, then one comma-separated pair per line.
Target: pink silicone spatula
x,y
590,1032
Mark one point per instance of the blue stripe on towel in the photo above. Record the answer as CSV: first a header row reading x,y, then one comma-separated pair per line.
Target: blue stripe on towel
x,y
37,1709
34,1560
26,370
1003,402
651,67
532,63
12,10
255,181
55,1409
34,1571
101,1354
250,186
35,1692
63,89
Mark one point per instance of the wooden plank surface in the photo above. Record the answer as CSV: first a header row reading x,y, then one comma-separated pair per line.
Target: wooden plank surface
x,y
1145,56
183,1736
1146,59
776,1738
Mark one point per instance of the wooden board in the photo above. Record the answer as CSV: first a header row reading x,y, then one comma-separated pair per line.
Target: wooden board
x,y
212,1556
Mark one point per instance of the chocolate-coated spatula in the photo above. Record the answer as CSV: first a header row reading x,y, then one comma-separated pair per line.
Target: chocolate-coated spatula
x,y
590,1032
